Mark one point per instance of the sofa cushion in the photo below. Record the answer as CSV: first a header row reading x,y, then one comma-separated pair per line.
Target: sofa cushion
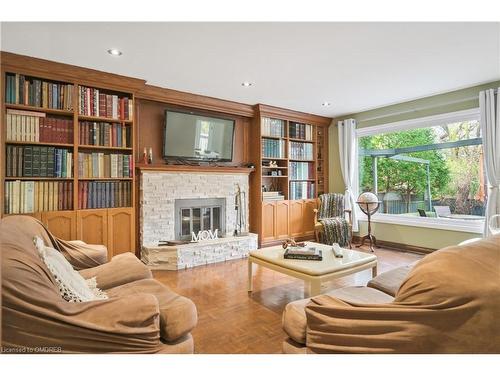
x,y
294,317
122,269
390,281
178,315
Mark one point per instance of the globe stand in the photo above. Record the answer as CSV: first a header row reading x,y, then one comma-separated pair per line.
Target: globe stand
x,y
369,213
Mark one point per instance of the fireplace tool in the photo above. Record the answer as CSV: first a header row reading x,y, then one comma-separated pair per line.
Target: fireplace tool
x,y
240,208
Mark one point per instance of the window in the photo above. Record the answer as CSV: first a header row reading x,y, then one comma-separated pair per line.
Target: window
x,y
432,170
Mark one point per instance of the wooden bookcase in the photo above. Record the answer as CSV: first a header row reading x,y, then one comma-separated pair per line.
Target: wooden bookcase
x,y
292,215
109,225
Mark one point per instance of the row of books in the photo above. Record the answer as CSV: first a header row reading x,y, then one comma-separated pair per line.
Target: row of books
x,y
272,127
301,190
105,134
273,148
300,131
104,194
27,126
95,103
272,196
101,165
37,196
300,170
21,89
38,161
301,151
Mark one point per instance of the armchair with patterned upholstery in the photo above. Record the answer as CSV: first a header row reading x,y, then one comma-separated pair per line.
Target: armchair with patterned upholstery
x,y
330,223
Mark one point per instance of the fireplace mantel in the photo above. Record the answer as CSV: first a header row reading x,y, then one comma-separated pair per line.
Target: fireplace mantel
x,y
192,168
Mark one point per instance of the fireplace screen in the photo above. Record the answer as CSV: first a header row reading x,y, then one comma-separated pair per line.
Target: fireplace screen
x,y
194,215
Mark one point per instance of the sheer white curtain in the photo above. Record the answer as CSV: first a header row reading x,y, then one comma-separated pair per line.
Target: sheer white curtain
x,y
489,105
348,146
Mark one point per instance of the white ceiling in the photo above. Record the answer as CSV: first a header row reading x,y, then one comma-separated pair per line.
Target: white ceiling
x,y
355,66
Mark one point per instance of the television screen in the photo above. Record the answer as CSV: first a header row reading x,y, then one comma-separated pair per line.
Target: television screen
x,y
195,137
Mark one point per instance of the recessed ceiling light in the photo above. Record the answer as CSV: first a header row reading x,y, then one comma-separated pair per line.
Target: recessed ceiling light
x,y
246,84
326,104
114,52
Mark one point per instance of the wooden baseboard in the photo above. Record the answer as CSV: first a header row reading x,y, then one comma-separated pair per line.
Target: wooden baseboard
x,y
398,246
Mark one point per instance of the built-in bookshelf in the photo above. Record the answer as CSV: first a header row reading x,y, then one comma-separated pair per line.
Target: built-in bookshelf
x,y
67,146
288,159
289,173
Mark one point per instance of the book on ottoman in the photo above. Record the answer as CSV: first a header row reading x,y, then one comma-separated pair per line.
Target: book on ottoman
x,y
303,253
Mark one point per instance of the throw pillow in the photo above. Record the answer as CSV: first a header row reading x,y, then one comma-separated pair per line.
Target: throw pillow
x,y
72,286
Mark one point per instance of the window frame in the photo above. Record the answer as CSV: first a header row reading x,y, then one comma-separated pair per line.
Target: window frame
x,y
459,225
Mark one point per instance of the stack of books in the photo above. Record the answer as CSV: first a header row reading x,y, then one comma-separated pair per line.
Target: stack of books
x,y
101,165
272,196
95,103
105,134
34,92
38,161
37,196
303,253
301,131
27,126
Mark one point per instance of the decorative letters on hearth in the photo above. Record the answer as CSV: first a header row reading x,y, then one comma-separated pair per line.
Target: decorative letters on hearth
x,y
204,235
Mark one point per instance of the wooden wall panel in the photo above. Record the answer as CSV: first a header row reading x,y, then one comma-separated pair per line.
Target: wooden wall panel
x,y
282,222
61,224
92,227
308,216
121,233
150,128
268,221
296,219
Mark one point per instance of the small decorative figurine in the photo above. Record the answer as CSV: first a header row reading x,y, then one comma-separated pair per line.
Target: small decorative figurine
x,y
150,158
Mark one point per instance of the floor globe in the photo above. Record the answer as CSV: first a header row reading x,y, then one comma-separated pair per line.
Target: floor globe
x,y
368,203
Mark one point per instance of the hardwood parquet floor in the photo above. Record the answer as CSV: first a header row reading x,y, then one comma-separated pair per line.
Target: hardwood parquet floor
x,y
232,321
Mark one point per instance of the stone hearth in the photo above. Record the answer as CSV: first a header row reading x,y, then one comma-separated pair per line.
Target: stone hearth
x,y
198,253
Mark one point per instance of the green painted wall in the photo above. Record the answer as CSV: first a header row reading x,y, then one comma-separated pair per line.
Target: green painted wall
x,y
416,236
436,104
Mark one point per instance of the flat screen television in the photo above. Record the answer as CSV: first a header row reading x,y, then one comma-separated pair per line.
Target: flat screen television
x,y
193,137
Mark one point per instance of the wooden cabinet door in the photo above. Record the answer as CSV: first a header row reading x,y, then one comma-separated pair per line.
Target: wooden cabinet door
x,y
296,218
268,221
308,215
281,220
121,231
61,224
92,226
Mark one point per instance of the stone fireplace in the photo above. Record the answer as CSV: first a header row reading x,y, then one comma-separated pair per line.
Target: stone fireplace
x,y
162,194
174,204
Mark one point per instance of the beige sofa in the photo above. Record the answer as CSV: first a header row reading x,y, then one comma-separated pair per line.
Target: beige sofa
x,y
140,316
448,302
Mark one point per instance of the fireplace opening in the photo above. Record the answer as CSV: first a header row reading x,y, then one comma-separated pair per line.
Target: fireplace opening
x,y
194,215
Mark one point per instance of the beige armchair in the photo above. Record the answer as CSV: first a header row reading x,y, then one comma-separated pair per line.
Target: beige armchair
x,y
448,302
141,314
